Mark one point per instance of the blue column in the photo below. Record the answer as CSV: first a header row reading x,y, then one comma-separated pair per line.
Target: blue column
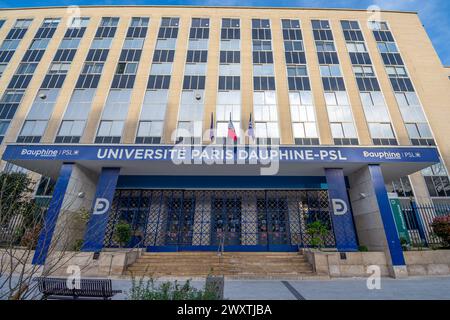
x,y
341,215
51,216
390,229
96,228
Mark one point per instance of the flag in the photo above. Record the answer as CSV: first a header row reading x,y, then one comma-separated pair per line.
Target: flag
x,y
211,128
231,132
251,132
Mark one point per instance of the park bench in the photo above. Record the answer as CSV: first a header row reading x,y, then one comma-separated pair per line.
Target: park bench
x,y
56,288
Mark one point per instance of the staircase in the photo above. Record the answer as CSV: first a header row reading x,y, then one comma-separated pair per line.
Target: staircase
x,y
247,265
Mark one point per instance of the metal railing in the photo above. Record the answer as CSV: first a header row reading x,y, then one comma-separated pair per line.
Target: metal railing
x,y
419,219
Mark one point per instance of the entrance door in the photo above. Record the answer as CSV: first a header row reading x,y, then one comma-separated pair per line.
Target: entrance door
x,y
180,221
273,222
226,221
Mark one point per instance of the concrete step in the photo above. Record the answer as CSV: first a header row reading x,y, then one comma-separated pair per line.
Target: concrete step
x,y
236,264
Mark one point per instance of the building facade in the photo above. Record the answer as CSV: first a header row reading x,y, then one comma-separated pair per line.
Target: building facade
x,y
128,111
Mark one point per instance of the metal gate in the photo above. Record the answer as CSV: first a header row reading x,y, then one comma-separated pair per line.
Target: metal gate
x,y
240,220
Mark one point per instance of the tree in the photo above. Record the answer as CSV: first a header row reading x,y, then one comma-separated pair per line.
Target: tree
x,y
21,222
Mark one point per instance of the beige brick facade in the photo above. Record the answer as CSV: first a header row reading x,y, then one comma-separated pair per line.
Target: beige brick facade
x,y
430,78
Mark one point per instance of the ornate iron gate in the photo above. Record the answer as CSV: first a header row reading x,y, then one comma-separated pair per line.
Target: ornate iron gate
x,y
253,220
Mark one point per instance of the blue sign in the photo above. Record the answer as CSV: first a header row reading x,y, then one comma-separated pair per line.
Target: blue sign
x,y
46,235
393,241
218,154
96,228
344,229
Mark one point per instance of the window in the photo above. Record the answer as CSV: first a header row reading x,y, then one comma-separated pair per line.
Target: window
x,y
437,180
32,129
190,117
259,45
59,68
350,25
387,47
263,70
195,69
9,44
170,22
39,44
26,68
363,71
377,25
2,68
50,23
418,131
113,116
330,71
166,44
109,22
74,119
381,131
135,43
402,187
297,71
71,128
266,114
139,22
230,45
79,22
71,43
126,68
356,47
263,83
45,187
198,44
303,118
397,72
325,46
110,129
92,68
22,23
293,45
161,69
101,43
116,107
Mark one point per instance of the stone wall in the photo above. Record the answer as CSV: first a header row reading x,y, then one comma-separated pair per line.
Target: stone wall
x,y
428,263
108,263
355,264
351,264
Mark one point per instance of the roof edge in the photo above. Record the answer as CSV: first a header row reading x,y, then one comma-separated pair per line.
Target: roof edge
x,y
197,6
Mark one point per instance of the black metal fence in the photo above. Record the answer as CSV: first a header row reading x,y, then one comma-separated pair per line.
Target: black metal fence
x,y
419,219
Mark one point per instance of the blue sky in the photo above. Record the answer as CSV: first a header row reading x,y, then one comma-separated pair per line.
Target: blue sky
x,y
434,13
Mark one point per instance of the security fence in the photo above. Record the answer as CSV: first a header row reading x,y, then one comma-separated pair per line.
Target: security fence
x,y
419,219
205,219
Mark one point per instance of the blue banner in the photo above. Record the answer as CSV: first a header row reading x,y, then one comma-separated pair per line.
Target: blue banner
x,y
341,215
215,154
393,241
96,228
51,217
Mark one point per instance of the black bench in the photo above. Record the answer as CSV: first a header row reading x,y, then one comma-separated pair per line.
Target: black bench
x,y
56,288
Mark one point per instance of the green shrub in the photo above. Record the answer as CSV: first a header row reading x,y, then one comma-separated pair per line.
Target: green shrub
x,y
122,234
363,249
441,227
317,230
148,290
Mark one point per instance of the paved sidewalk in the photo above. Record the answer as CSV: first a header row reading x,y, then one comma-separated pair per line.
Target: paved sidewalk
x,y
433,288
413,288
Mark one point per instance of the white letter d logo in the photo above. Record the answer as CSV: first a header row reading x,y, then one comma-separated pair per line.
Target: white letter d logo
x,y
101,206
339,207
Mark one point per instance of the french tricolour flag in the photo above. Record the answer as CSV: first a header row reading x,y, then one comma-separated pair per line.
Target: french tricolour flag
x,y
231,132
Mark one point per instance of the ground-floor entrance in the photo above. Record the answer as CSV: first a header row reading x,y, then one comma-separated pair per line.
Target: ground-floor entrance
x,y
237,220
